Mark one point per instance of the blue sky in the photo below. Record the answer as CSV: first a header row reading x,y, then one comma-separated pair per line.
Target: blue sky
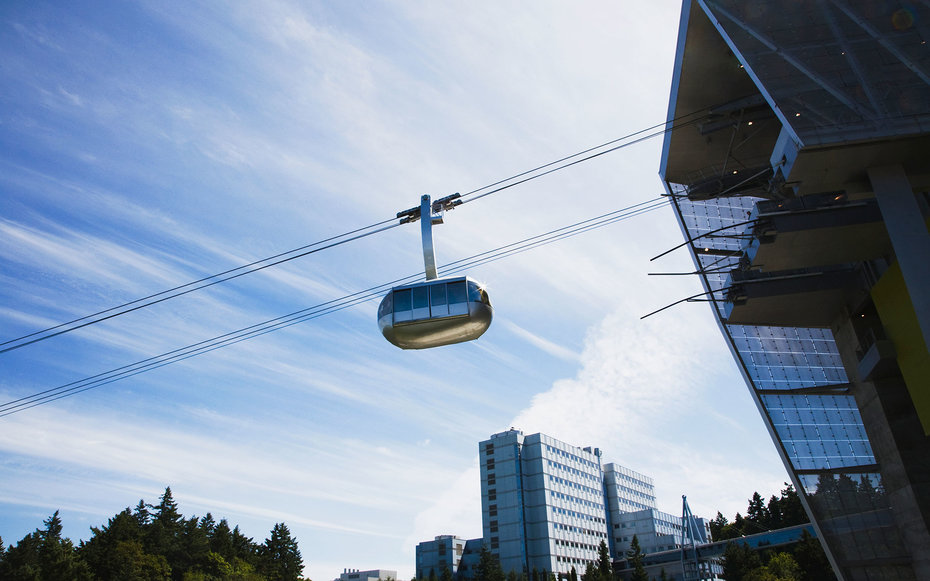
x,y
146,145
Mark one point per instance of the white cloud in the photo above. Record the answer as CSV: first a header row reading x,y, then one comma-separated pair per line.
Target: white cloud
x,y
543,344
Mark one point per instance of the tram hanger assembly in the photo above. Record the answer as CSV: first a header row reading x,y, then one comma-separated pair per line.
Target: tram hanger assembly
x,y
439,311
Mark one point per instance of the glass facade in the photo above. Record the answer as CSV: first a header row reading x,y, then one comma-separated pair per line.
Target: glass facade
x,y
800,385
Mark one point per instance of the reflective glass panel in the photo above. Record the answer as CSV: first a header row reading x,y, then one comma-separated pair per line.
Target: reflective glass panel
x,y
402,300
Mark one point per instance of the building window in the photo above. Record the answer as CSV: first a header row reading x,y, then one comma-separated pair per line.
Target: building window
x,y
492,480
495,543
489,464
493,526
492,510
492,494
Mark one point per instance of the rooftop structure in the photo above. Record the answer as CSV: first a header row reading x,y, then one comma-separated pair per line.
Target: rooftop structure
x,y
373,575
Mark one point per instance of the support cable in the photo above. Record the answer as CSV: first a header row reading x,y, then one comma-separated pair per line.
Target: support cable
x,y
325,308
455,200
190,287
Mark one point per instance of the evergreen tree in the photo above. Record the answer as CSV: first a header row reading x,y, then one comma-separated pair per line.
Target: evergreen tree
x,y
432,574
812,560
279,557
208,525
738,561
163,533
717,526
243,547
635,559
590,572
99,552
221,541
193,545
605,568
44,555
757,514
446,574
141,514
573,574
488,567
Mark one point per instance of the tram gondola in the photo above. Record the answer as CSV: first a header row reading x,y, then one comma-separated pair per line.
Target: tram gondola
x,y
435,313
439,311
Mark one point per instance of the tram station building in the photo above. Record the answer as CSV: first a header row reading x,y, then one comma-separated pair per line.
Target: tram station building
x,y
798,164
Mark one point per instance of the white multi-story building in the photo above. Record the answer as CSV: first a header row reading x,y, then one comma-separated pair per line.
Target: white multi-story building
x,y
627,490
547,505
542,502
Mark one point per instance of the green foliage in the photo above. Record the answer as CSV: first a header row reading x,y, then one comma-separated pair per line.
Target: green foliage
x,y
590,572
741,563
807,560
279,557
780,512
446,574
152,543
635,559
604,567
812,560
488,567
738,561
43,555
783,566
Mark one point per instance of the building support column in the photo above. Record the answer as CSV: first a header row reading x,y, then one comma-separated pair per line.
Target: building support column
x,y
909,236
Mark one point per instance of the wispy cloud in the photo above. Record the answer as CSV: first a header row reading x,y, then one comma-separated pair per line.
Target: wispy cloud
x,y
544,345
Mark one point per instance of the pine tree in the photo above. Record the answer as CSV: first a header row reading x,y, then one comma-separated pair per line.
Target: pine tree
x,y
605,568
739,560
590,572
44,555
792,511
446,574
488,567
635,559
100,551
279,557
812,560
757,512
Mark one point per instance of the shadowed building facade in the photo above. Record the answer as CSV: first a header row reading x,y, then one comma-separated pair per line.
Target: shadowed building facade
x,y
798,163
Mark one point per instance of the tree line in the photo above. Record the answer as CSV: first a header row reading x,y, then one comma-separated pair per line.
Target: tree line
x,y
153,543
805,561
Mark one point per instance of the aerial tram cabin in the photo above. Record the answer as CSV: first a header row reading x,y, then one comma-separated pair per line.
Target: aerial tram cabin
x,y
436,312
439,311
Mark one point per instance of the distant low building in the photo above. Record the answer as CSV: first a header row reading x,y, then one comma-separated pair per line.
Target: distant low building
x,y
447,552
373,575
656,531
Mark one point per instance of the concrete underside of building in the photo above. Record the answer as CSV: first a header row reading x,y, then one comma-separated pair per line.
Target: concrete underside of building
x,y
798,163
